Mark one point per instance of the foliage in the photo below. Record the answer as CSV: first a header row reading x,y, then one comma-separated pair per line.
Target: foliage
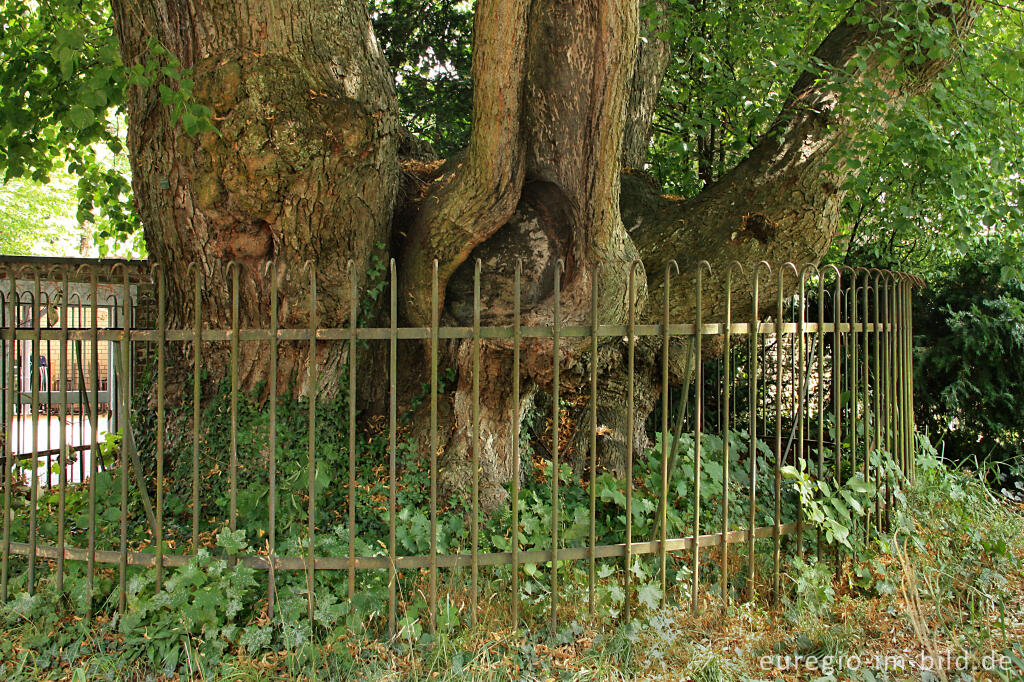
x,y
812,583
962,545
834,511
940,177
61,80
62,84
427,44
221,604
969,329
200,603
945,180
733,64
33,215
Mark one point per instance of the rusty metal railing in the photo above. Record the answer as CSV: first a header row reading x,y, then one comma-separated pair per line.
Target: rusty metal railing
x,y
832,365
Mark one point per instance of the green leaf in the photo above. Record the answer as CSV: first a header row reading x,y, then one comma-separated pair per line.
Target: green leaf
x,y
649,595
81,117
859,485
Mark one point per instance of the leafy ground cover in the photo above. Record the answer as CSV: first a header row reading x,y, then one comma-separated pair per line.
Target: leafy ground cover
x,y
947,583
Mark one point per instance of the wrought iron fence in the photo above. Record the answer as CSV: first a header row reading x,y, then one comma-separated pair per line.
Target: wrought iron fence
x,y
831,365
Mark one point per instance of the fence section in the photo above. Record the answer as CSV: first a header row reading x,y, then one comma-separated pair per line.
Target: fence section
x,y
820,380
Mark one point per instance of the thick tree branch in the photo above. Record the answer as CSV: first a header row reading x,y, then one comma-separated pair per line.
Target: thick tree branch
x,y
477,191
782,202
652,57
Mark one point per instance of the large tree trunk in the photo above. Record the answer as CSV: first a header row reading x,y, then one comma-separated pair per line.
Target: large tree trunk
x,y
302,166
542,169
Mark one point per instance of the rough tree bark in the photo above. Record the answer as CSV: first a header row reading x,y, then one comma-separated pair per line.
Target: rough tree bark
x,y
305,166
652,58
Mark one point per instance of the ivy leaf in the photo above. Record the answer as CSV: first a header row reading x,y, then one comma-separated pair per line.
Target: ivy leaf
x,y
649,595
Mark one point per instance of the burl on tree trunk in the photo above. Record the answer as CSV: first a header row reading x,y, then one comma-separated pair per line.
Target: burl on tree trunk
x,y
305,166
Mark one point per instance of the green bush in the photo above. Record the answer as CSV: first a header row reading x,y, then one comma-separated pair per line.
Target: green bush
x,y
969,355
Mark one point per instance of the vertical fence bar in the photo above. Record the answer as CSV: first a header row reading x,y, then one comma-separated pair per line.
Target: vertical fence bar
x,y
434,341
755,330
271,269
905,381
10,450
845,374
765,397
555,423
63,484
887,387
801,405
82,396
894,370
837,375
877,400
795,383
821,382
698,426
883,378
906,369
51,323
854,372
905,357
353,323
894,332
233,454
896,328
901,379
516,418
474,531
125,392
34,366
630,367
311,443
392,457
49,393
312,370
161,379
911,419
887,367
777,530
663,491
25,312
197,339
865,398
726,427
897,407
94,408
591,558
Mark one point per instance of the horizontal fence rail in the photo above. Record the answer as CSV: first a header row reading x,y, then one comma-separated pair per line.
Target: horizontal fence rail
x,y
819,379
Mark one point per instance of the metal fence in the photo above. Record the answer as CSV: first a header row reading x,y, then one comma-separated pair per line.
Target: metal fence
x,y
825,378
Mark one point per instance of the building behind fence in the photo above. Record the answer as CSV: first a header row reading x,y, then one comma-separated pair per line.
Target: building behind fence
x,y
823,382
